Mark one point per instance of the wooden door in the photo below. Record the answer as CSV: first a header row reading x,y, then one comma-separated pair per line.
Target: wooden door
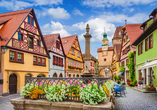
x,y
13,84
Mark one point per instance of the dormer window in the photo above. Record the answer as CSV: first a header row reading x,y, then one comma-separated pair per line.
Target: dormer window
x,y
57,45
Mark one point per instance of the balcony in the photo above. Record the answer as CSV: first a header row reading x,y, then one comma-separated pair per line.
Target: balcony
x,y
30,27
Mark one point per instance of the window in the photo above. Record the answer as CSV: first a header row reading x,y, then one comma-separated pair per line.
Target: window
x,y
12,56
39,43
76,64
16,57
140,48
69,62
19,57
78,54
80,65
149,43
39,61
29,19
104,59
54,60
20,36
72,51
34,60
119,32
57,45
43,61
30,42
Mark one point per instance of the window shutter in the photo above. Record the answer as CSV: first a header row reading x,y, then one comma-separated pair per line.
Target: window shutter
x,y
28,41
19,36
32,21
40,43
29,19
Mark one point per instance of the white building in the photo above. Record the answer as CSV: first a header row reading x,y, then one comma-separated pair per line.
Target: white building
x,y
55,48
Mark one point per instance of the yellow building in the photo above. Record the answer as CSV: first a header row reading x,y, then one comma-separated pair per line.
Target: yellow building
x,y
116,41
115,60
26,54
73,61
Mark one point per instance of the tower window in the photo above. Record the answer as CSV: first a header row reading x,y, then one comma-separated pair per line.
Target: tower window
x,y
104,59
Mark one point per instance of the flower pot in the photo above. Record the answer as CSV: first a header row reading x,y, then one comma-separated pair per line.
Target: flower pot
x,y
152,88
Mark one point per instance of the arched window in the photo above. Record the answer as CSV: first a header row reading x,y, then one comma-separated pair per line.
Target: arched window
x,y
55,75
77,75
60,75
41,75
73,75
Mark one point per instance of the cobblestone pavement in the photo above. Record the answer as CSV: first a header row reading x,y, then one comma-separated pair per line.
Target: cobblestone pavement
x,y
135,100
5,102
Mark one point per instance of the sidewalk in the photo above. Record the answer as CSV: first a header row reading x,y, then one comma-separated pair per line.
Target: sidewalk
x,y
140,88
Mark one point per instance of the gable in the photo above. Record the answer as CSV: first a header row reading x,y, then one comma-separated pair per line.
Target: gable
x,y
77,55
31,39
57,47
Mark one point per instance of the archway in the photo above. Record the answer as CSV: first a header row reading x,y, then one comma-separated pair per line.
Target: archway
x,y
13,84
73,75
55,75
77,75
60,75
41,75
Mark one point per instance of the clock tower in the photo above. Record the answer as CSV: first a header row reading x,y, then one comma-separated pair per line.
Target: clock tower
x,y
105,42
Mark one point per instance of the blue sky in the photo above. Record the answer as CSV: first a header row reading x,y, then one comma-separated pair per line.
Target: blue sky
x,y
69,17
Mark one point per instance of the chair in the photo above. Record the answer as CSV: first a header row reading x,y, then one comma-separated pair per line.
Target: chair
x,y
119,89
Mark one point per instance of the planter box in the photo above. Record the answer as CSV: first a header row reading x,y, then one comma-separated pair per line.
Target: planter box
x,y
28,104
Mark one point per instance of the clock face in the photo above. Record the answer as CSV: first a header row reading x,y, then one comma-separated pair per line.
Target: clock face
x,y
104,47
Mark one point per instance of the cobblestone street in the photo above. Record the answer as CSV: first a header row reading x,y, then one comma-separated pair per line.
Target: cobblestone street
x,y
135,100
5,102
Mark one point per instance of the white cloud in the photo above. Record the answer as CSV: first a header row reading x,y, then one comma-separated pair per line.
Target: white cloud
x,y
58,13
120,18
77,12
18,4
14,5
47,2
53,28
96,25
108,3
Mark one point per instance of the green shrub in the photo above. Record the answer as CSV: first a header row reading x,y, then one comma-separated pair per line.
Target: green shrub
x,y
115,78
118,81
118,77
134,82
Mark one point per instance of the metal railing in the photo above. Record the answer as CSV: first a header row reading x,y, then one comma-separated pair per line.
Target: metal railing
x,y
42,81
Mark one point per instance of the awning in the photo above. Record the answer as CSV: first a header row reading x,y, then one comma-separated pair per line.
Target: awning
x,y
148,65
120,73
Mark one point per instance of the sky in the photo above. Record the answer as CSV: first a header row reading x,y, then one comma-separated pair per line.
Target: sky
x,y
69,17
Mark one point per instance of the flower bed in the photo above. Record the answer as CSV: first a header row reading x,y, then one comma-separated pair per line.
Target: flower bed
x,y
68,90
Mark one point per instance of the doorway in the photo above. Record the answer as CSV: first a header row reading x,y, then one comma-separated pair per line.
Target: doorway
x,y
13,84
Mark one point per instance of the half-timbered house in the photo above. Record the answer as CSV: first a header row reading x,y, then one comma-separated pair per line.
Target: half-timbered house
x,y
26,54
73,61
55,48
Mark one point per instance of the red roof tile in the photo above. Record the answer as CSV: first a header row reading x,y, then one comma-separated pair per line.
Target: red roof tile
x,y
12,22
50,40
133,31
116,33
67,43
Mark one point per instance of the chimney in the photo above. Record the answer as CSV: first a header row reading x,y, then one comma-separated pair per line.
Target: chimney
x,y
125,22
